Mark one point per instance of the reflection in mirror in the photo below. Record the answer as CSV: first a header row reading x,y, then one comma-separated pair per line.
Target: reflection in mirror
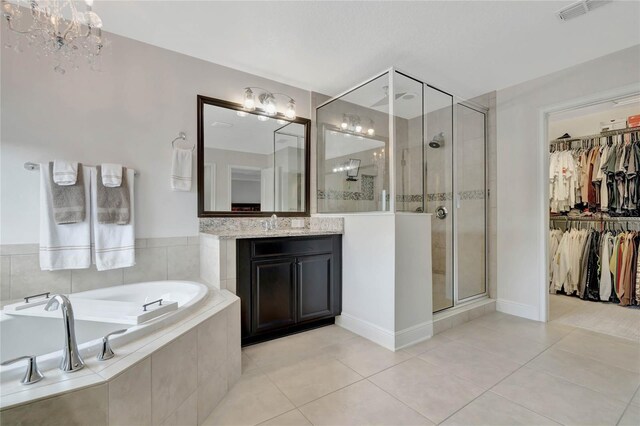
x,y
353,163
252,163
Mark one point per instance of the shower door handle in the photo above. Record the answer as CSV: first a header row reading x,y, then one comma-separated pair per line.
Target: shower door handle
x,y
441,212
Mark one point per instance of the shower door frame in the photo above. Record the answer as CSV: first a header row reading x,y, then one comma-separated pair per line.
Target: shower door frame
x,y
392,177
484,111
457,100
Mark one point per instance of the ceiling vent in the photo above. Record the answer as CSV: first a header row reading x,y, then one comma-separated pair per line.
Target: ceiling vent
x,y
580,8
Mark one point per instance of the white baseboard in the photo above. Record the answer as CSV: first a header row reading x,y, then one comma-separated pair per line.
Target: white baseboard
x,y
368,330
518,309
415,334
383,337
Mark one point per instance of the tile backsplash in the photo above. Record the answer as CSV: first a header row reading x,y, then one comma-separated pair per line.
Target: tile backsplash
x,y
176,258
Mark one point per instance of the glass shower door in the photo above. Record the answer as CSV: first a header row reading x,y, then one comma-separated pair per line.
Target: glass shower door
x,y
470,202
438,190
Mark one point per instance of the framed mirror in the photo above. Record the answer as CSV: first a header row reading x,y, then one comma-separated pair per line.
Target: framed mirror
x,y
251,163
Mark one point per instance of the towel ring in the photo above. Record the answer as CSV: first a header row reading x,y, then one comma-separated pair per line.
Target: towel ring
x,y
181,136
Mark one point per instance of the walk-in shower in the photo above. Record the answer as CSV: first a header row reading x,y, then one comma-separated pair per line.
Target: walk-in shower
x,y
419,150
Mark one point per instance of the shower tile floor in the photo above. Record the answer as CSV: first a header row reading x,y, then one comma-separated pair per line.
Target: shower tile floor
x,y
495,370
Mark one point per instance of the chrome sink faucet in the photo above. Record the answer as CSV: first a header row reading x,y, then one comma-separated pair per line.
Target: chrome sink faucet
x,y
271,223
71,359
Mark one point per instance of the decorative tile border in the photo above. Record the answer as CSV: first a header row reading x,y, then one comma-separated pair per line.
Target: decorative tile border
x,y
366,193
477,194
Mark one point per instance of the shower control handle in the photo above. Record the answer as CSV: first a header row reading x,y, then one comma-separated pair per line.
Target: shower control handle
x,y
441,212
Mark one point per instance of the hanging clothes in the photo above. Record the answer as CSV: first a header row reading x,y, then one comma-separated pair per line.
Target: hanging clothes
x,y
595,265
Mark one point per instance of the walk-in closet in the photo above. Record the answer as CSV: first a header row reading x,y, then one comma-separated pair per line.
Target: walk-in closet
x,y
594,217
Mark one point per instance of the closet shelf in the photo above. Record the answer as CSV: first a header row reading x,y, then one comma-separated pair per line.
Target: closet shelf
x,y
596,219
598,135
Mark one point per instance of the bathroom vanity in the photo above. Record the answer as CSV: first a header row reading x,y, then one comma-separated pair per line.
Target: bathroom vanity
x,y
288,279
288,284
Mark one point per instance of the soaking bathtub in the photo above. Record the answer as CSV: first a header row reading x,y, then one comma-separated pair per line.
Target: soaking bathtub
x,y
43,336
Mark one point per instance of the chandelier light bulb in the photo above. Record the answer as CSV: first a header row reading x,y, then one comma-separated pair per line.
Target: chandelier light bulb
x,y
358,128
371,132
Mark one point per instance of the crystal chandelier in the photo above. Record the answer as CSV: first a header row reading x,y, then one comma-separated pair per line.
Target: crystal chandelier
x,y
58,27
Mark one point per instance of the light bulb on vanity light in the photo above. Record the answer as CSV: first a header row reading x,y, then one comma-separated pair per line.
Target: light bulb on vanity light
x,y
268,104
249,101
358,128
371,132
291,110
344,123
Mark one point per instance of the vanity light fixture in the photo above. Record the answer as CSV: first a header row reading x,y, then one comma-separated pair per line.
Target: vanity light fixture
x,y
58,27
267,101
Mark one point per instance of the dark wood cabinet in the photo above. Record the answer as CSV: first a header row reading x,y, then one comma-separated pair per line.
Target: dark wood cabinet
x,y
288,284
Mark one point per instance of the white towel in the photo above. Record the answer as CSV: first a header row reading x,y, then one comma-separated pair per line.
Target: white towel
x,y
111,175
114,245
65,173
181,170
65,246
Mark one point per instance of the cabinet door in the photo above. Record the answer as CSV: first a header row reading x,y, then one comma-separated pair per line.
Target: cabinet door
x,y
274,294
314,282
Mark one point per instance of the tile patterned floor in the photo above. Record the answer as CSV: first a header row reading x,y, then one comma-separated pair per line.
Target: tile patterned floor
x,y
495,370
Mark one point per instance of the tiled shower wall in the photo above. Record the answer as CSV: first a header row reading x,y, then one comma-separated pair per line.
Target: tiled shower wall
x,y
157,259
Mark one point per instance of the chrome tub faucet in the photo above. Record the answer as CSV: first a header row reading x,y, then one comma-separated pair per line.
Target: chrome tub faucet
x,y
71,359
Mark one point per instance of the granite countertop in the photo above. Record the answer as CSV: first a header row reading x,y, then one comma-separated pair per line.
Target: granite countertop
x,y
255,233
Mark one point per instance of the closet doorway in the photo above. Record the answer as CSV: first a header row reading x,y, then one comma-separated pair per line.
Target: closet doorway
x,y
594,216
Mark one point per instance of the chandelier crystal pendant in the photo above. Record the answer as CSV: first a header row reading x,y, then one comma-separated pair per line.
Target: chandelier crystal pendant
x,y
58,28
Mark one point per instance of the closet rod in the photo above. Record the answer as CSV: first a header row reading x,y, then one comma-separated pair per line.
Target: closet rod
x,y
35,166
593,219
599,135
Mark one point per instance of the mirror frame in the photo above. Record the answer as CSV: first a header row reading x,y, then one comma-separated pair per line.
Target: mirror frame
x,y
205,100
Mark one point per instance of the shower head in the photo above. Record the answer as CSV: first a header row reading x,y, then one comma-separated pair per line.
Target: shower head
x,y
437,141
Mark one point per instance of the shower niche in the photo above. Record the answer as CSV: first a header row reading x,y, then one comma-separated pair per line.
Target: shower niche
x,y
420,151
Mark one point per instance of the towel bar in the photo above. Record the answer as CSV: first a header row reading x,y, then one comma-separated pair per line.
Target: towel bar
x,y
35,166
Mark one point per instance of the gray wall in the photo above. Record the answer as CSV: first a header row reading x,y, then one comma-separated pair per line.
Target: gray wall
x,y
522,152
128,113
